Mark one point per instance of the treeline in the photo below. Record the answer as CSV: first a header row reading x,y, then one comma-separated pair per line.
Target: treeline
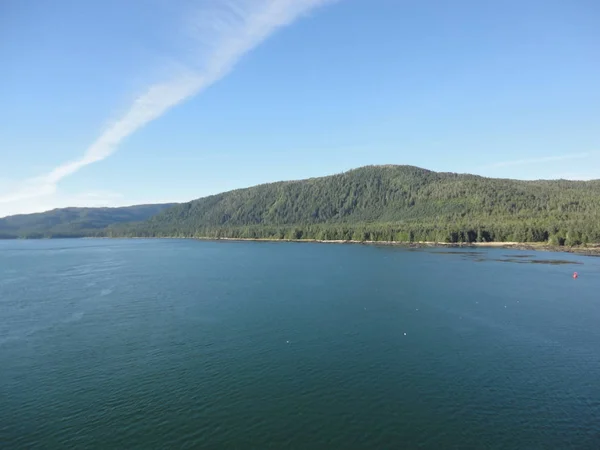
x,y
74,222
391,203
25,234
374,203
567,234
389,194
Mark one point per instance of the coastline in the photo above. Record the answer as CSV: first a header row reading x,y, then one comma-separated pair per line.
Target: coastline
x,y
590,250
593,250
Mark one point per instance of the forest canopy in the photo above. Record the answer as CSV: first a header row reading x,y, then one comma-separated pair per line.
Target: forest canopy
x,y
390,203
373,203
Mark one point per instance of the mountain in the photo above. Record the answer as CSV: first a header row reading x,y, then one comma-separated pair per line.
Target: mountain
x,y
74,222
401,203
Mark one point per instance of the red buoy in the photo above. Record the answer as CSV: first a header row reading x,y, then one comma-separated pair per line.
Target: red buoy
x,y
575,275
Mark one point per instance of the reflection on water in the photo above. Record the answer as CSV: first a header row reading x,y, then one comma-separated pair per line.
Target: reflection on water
x,y
457,252
482,256
555,262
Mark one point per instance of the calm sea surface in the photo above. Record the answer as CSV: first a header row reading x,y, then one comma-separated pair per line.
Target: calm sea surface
x,y
187,344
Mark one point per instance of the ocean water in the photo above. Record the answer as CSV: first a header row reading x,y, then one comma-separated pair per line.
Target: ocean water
x,y
242,345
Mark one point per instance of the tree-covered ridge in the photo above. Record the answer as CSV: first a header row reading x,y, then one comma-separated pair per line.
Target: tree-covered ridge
x,y
74,222
400,203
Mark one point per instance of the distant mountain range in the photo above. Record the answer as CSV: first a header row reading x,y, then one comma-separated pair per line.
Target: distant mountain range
x,y
74,222
392,203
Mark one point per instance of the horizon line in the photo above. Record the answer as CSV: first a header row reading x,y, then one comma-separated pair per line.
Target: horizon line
x,y
132,205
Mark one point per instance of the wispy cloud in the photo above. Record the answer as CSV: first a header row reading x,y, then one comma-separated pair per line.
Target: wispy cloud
x,y
542,160
223,32
575,176
57,199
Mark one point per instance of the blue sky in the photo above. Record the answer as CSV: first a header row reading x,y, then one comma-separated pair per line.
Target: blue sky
x,y
108,103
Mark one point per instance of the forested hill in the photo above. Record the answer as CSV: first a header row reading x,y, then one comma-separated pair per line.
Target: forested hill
x,y
402,203
74,222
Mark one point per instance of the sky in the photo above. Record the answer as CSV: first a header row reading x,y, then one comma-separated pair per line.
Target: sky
x,y
112,103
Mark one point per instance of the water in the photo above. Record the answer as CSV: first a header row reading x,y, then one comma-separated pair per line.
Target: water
x,y
186,344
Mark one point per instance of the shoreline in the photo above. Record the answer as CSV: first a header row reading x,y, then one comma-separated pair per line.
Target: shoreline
x,y
591,250
594,250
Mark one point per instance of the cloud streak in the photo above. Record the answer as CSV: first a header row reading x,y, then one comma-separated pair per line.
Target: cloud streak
x,y
545,159
225,34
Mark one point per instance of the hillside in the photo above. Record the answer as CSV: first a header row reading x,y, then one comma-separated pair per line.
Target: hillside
x,y
74,222
401,203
